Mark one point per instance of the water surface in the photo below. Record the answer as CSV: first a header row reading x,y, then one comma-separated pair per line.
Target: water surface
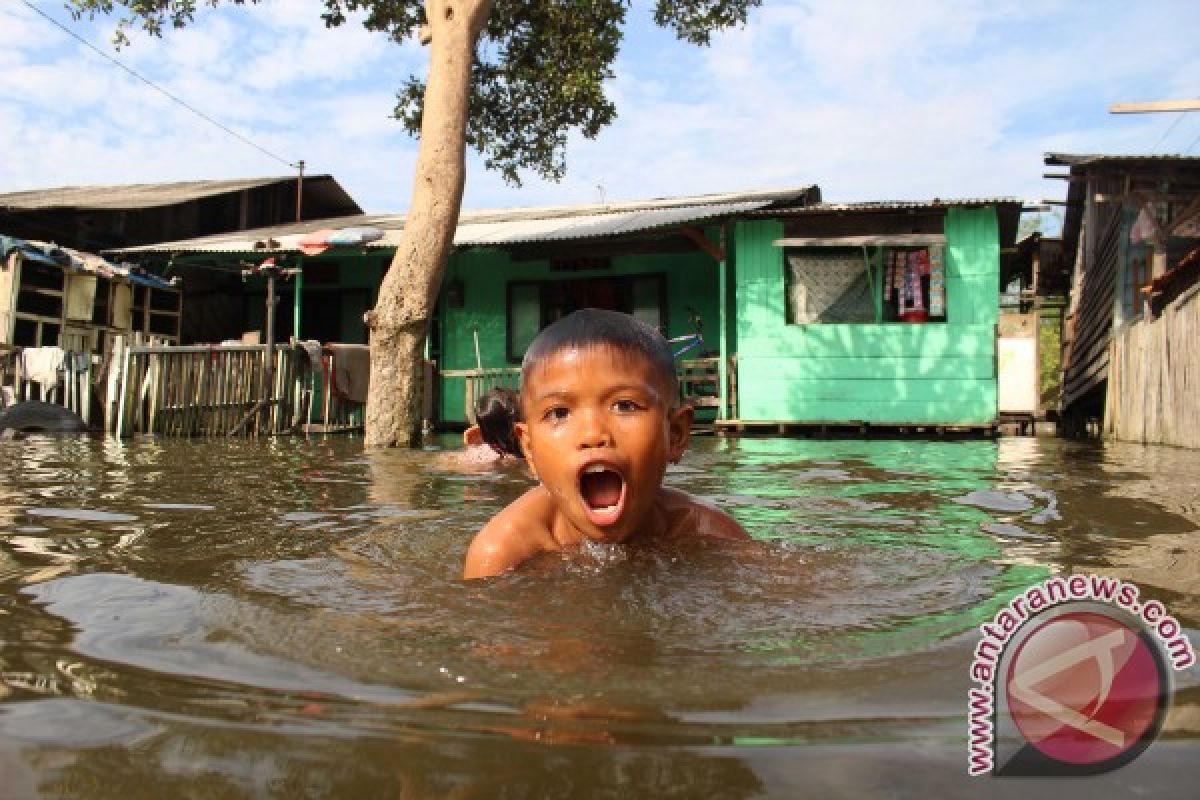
x,y
285,618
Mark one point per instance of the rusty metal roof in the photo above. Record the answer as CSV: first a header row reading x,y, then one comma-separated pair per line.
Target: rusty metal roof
x,y
497,227
146,195
1085,160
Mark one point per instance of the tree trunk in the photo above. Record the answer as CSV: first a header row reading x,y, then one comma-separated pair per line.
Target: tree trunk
x,y
399,322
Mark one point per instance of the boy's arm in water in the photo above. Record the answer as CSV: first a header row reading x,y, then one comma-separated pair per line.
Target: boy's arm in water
x,y
512,537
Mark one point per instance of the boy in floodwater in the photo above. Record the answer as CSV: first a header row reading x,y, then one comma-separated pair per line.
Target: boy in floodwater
x,y
601,420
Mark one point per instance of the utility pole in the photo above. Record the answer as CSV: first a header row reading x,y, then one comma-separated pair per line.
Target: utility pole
x,y
299,188
266,400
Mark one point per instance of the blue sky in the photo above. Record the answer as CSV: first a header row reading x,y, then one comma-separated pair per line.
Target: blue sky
x,y
870,100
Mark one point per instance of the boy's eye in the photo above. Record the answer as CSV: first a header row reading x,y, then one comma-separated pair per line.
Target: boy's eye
x,y
626,406
556,414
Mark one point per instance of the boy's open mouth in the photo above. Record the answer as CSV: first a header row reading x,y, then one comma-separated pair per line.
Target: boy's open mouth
x,y
603,492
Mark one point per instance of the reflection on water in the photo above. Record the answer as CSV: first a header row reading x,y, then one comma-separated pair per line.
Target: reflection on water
x,y
278,618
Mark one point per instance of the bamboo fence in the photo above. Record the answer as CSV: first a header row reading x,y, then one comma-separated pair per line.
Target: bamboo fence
x,y
1153,393
218,390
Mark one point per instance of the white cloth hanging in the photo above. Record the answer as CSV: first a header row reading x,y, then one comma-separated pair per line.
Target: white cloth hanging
x,y
42,365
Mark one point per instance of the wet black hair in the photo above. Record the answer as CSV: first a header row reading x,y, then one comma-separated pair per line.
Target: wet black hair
x,y
496,413
592,327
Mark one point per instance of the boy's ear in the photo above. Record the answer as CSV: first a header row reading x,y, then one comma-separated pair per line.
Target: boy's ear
x,y
522,431
680,421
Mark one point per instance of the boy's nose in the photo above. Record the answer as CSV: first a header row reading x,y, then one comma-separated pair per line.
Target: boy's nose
x,y
593,432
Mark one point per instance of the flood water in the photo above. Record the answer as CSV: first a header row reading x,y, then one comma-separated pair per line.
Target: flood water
x,y
285,619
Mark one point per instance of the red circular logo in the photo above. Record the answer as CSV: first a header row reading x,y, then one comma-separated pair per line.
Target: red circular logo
x,y
1085,688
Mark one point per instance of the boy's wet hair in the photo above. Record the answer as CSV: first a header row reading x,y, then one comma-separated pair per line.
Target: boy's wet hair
x,y
593,327
496,412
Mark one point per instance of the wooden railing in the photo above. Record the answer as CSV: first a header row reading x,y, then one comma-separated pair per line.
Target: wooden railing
x,y
699,383
72,390
216,390
476,383
200,390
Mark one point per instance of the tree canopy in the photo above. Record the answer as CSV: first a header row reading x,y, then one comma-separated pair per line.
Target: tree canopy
x,y
539,71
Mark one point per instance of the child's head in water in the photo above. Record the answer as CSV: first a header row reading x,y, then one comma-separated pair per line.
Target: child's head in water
x,y
601,421
497,412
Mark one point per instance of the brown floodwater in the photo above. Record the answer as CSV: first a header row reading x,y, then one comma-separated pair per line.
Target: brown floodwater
x,y
285,618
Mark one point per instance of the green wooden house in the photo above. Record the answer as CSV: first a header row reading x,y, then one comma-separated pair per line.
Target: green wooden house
x,y
831,323
796,300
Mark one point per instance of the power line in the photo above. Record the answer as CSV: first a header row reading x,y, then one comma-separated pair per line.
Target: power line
x,y
155,86
1195,142
1167,132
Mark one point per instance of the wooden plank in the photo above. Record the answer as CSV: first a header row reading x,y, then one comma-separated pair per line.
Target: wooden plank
x,y
836,426
1154,370
784,392
906,367
1154,107
897,340
120,427
949,414
882,240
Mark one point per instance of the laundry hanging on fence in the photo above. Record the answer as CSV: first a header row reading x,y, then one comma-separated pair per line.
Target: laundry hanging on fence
x,y
42,365
351,371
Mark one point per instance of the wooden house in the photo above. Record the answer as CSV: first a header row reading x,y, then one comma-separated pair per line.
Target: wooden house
x,y
869,313
899,331
96,218
56,297
1131,235
513,272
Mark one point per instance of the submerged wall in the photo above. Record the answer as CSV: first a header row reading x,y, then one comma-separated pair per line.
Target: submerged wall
x,y
887,373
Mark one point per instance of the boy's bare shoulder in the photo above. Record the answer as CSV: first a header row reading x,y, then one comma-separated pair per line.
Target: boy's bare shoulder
x,y
691,516
515,535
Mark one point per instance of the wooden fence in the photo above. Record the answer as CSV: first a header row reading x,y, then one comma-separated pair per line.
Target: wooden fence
x,y
199,391
476,383
72,392
1153,393
218,390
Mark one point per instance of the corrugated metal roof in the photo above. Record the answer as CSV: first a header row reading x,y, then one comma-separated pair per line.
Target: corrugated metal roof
x,y
78,261
585,226
135,195
898,205
507,226
1082,160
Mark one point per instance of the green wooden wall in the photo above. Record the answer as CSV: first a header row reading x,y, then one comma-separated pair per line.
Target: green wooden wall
x,y
690,280
887,373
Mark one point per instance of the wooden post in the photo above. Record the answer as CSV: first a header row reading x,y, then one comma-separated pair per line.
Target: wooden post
x,y
113,383
723,407
122,389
